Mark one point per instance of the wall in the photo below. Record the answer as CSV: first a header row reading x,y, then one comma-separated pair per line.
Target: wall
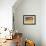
x,y
28,7
6,17
6,13
43,22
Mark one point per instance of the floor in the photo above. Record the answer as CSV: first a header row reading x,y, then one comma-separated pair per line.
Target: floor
x,y
9,43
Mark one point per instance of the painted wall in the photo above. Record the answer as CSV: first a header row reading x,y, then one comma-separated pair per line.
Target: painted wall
x,y
28,7
6,18
43,22
6,13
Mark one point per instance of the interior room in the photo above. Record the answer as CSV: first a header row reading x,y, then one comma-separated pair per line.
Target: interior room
x,y
22,23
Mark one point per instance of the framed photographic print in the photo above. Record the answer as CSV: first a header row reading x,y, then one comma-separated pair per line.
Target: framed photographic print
x,y
29,19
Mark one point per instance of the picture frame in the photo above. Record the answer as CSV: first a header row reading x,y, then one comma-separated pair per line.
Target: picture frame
x,y
29,19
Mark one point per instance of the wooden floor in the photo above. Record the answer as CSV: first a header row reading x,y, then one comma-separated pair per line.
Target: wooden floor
x,y
9,43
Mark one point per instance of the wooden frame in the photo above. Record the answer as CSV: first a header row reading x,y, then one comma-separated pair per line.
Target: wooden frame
x,y
29,19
